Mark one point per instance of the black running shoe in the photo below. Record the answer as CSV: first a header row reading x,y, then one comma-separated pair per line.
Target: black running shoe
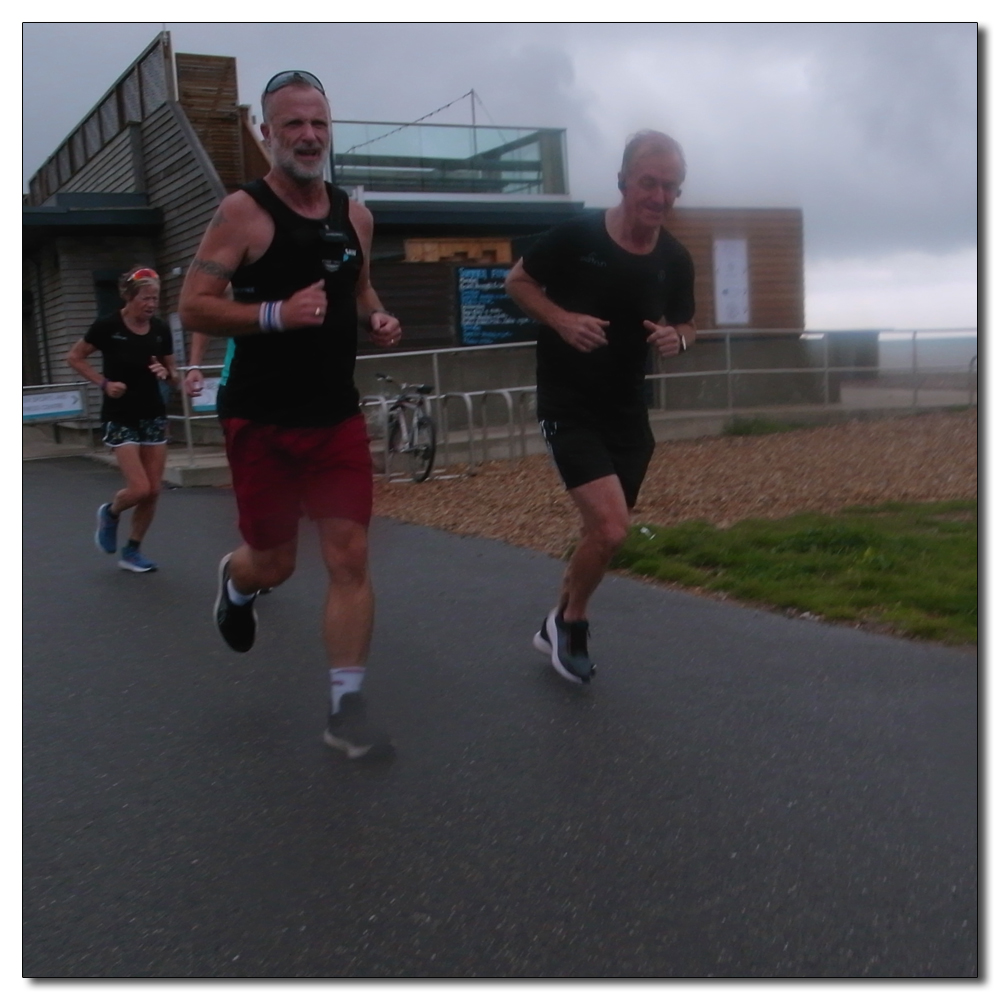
x,y
565,643
236,622
348,730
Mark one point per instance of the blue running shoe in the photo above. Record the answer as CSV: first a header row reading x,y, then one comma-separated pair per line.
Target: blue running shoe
x,y
565,643
106,536
132,559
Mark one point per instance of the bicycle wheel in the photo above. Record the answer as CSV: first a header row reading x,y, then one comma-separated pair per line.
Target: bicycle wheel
x,y
393,439
423,449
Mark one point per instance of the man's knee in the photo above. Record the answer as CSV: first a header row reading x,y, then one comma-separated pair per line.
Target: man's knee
x,y
272,567
345,552
609,532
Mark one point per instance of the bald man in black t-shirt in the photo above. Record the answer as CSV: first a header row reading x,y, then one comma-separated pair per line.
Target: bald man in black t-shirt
x,y
605,287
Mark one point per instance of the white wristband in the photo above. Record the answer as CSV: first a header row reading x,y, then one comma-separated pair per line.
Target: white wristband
x,y
269,317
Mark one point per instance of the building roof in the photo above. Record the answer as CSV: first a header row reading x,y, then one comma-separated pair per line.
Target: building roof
x,y
89,214
502,216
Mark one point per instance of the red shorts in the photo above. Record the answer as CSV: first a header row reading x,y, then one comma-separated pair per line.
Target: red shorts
x,y
281,473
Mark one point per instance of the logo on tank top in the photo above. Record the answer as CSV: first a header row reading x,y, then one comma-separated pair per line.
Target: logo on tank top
x,y
334,265
592,258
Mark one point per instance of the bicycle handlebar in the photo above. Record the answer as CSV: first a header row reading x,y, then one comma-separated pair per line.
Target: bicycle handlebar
x,y
423,389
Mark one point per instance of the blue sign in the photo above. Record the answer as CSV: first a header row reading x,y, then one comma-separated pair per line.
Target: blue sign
x,y
486,314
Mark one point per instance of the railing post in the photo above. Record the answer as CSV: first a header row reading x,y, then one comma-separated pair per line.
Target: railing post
x,y
438,388
729,373
913,357
826,367
188,430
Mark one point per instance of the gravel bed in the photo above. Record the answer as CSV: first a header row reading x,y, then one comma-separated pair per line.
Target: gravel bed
x,y
720,479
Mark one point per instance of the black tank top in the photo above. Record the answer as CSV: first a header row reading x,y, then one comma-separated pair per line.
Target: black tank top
x,y
302,377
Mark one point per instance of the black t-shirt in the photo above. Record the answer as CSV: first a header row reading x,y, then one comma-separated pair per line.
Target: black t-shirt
x,y
127,357
584,270
304,377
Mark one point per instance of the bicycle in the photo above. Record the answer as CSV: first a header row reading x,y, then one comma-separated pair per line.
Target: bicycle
x,y
410,429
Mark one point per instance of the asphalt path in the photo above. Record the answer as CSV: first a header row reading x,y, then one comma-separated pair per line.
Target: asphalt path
x,y
738,794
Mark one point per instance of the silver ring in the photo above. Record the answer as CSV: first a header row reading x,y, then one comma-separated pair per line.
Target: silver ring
x,y
318,310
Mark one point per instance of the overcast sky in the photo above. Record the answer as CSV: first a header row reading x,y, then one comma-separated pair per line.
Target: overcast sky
x,y
870,128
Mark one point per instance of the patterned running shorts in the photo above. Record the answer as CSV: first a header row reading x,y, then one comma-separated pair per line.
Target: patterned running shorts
x,y
148,430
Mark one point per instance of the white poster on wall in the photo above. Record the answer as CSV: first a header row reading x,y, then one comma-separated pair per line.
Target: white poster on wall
x,y
732,282
205,402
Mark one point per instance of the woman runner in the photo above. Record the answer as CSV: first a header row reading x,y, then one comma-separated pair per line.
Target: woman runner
x,y
138,355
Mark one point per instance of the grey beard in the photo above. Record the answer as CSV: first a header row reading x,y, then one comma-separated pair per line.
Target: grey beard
x,y
296,171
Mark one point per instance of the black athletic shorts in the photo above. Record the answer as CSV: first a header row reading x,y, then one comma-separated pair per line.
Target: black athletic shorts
x,y
582,453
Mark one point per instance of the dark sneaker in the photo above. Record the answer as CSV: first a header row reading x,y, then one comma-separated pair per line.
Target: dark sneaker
x,y
350,732
237,623
541,640
106,536
132,559
565,643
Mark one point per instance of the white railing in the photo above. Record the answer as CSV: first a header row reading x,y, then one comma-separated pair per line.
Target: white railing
x,y
467,430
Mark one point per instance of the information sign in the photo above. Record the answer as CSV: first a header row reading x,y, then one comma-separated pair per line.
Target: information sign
x,y
51,405
486,314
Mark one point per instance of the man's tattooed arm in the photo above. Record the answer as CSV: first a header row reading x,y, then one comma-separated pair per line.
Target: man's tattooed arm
x,y
212,268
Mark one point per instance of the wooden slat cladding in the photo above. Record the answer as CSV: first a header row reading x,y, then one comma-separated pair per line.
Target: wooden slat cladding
x,y
69,291
113,169
179,181
422,296
207,91
774,250
255,159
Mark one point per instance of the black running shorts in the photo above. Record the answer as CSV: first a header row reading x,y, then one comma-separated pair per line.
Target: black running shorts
x,y
582,454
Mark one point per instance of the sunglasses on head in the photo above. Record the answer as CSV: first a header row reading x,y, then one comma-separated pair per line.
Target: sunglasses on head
x,y
289,76
143,272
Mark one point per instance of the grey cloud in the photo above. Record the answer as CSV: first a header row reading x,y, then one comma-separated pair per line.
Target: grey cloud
x,y
872,128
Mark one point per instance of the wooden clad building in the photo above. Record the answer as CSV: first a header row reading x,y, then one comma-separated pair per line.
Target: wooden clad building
x,y
139,179
774,258
754,256
136,182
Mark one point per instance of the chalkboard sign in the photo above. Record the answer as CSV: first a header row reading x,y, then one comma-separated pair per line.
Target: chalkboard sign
x,y
486,315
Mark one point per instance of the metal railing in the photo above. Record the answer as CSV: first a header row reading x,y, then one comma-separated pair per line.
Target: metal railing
x,y
474,425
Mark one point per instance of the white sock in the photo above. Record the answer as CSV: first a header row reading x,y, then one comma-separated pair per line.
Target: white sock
x,y
344,680
236,597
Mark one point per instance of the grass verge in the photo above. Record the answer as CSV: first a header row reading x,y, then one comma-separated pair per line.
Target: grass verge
x,y
910,567
753,426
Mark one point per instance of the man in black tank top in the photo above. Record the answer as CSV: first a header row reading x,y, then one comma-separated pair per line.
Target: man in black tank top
x,y
605,287
296,252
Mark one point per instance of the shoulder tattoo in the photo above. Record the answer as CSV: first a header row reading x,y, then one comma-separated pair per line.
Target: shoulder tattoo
x,y
212,268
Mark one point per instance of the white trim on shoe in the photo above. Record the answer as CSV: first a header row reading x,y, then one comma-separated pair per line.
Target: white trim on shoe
x,y
550,625
540,642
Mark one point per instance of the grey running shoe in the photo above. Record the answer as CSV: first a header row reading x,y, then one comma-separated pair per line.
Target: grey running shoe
x,y
106,536
348,730
565,643
237,623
